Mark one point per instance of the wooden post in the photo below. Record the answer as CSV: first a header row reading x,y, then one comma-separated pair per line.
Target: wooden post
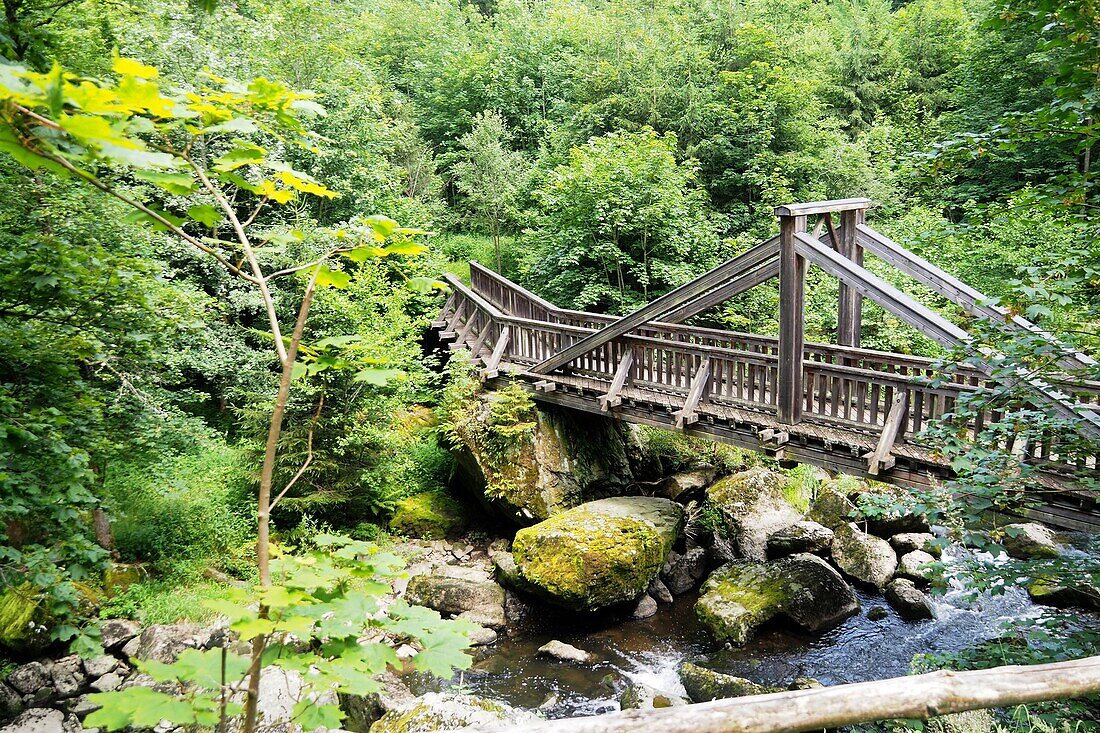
x,y
792,281
850,304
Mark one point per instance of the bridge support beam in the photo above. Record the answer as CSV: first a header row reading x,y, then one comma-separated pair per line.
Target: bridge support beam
x,y
850,304
792,294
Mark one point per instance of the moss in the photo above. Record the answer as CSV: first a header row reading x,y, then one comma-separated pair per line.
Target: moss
x,y
703,685
20,616
737,598
429,516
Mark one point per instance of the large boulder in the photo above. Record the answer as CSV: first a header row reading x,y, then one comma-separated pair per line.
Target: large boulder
x,y
916,566
888,510
1028,541
754,504
864,557
805,536
1048,592
681,573
908,600
432,515
444,711
704,685
530,463
923,541
280,691
363,710
164,642
598,554
832,508
638,696
43,720
742,595
467,593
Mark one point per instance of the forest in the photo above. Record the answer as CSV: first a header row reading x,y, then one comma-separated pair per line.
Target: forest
x,y
229,226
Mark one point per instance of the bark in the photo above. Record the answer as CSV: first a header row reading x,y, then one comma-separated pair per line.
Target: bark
x,y
918,697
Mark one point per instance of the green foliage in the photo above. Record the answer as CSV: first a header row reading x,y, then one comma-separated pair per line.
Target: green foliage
x,y
663,452
166,601
328,598
431,516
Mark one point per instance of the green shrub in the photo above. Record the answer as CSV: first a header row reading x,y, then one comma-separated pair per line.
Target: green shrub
x,y
665,452
165,602
429,516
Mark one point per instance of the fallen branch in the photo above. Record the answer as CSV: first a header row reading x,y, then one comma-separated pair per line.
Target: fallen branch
x,y
917,697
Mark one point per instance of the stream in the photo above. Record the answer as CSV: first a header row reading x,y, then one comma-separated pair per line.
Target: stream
x,y
650,651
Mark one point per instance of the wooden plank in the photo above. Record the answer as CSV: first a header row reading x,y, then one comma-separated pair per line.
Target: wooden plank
x,y
822,207
613,398
849,302
687,413
792,287
475,348
491,369
880,457
732,268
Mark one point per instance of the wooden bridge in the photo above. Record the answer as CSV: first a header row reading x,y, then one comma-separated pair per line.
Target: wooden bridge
x,y
841,407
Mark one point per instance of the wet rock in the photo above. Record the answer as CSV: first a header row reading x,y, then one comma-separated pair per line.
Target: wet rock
x,y
754,504
659,591
803,536
910,541
832,508
637,696
565,652
446,711
115,632
67,675
864,557
1048,593
482,636
10,702
43,720
704,685
744,594
915,566
877,613
562,459
600,553
681,483
29,678
645,608
363,710
457,591
908,600
805,683
1029,541
683,572
432,515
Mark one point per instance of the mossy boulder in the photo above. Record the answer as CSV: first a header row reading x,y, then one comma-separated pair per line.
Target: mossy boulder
x,y
864,557
429,516
529,463
704,685
444,711
803,588
1048,592
598,554
754,504
832,507
1028,541
463,592
22,620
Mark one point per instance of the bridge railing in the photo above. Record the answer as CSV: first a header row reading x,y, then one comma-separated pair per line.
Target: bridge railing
x,y
843,387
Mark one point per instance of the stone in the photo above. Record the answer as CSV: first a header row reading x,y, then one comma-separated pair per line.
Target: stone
x,y
29,678
471,595
67,675
916,566
659,591
803,536
101,665
116,632
1028,541
43,720
909,541
637,696
908,600
680,483
832,508
805,683
887,510
742,595
280,691
685,571
120,576
704,685
10,702
82,706
108,682
877,613
565,652
754,504
864,557
432,515
363,710
1048,593
482,636
598,554
646,608
448,711
164,642
543,461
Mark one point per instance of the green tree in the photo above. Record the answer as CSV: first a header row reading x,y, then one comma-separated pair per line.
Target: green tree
x,y
489,174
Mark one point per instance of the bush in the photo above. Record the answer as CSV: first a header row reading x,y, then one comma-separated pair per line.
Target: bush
x,y
664,452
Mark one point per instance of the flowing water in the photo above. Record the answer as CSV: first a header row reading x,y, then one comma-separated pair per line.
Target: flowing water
x,y
650,651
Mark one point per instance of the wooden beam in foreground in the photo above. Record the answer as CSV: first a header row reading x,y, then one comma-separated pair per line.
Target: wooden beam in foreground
x,y
917,697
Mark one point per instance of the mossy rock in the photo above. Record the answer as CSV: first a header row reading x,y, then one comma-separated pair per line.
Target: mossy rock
x,y
743,594
429,516
869,559
22,620
1049,592
754,504
832,507
704,685
445,711
600,553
